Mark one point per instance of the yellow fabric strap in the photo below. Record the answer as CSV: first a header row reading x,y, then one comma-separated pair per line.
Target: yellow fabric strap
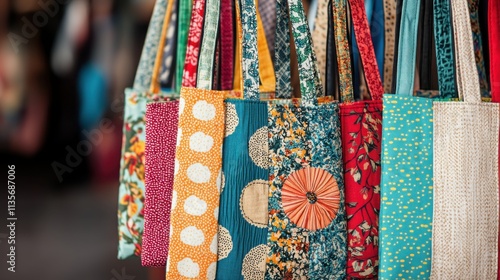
x,y
155,81
266,68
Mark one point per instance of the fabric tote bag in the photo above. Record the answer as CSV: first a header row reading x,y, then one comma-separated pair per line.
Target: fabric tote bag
x,y
161,132
361,124
198,161
242,235
131,188
465,228
307,226
407,154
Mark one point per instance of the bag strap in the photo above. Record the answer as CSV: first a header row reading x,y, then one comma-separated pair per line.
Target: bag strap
x,y
467,75
208,45
444,49
331,82
407,48
390,36
266,73
282,51
167,70
227,42
367,52
310,87
426,44
342,49
182,39
319,36
193,45
494,41
155,81
478,46
250,60
143,76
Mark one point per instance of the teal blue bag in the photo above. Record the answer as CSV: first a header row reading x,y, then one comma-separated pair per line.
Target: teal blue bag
x,y
406,210
244,192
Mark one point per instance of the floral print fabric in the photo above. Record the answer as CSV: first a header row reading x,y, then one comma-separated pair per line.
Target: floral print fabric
x,y
301,137
131,189
361,144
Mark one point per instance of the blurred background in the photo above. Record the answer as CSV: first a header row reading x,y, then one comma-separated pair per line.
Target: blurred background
x,y
63,68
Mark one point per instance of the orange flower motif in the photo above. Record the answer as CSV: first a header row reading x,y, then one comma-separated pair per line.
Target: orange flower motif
x,y
311,198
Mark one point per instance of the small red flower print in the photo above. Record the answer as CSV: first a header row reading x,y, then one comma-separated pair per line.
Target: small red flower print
x,y
311,198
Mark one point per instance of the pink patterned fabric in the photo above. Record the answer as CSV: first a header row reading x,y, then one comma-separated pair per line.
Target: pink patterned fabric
x,y
161,137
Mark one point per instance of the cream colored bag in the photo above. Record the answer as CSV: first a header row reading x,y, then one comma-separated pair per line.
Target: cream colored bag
x,y
465,231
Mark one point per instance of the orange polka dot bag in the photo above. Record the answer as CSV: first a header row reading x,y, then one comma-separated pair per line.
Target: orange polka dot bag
x,y
193,244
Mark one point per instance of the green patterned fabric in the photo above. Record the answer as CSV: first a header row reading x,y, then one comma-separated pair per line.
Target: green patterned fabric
x,y
182,35
208,45
444,49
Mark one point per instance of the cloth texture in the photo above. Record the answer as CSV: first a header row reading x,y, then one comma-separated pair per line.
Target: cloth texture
x,y
161,131
197,182
465,170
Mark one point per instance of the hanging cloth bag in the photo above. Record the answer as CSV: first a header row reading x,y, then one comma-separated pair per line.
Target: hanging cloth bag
x,y
307,226
131,188
243,208
197,176
361,124
465,226
407,148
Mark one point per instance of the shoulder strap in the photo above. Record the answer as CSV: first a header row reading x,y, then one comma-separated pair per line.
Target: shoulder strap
x,y
407,48
208,45
444,49
364,40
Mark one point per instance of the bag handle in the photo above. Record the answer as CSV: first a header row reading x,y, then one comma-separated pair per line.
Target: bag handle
x,y
193,45
182,39
478,46
342,50
310,87
467,75
282,52
208,45
494,41
266,73
227,45
319,36
366,49
444,49
155,86
407,48
250,60
143,76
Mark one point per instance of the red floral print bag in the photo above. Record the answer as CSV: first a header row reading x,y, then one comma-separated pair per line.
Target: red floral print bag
x,y
361,124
